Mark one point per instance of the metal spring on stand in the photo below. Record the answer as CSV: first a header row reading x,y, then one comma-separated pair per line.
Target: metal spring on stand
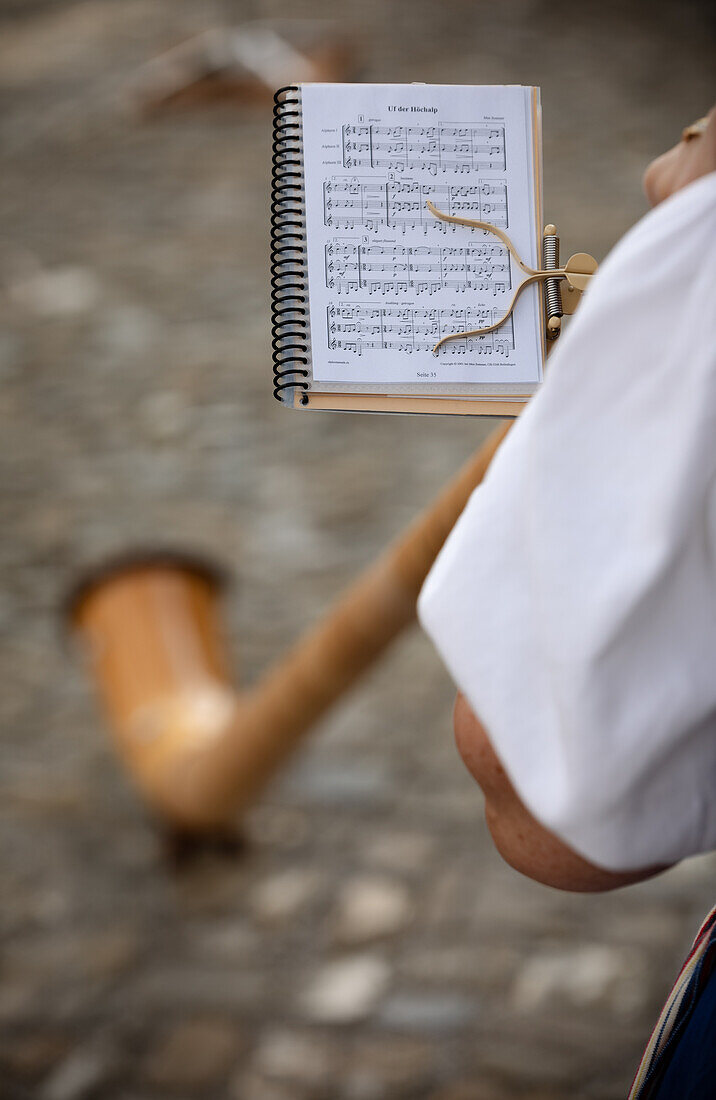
x,y
552,292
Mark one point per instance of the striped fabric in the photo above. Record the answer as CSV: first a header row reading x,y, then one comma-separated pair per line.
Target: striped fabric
x,y
676,1012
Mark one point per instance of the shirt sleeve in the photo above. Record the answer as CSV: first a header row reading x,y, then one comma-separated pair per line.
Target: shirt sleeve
x,y
574,602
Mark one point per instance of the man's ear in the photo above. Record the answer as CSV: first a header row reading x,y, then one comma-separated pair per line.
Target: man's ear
x,y
686,162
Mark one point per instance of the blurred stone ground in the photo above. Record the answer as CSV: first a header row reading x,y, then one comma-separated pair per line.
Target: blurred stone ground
x,y
369,945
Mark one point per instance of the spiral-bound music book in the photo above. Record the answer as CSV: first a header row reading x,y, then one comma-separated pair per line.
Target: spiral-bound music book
x,y
366,279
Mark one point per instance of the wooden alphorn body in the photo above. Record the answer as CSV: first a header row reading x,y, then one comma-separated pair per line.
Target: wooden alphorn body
x,y
200,751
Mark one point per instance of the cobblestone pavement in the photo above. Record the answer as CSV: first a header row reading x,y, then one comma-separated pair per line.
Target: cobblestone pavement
x,y
368,944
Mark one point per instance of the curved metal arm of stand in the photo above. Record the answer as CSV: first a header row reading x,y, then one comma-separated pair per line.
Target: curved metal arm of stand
x,y
577,271
491,328
471,223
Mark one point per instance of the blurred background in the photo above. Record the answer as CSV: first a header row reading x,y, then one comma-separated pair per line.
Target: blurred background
x,y
367,943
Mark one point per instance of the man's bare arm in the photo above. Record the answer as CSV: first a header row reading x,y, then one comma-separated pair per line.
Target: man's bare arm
x,y
519,838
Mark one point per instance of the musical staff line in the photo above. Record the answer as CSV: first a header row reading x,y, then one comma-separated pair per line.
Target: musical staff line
x,y
435,149
350,202
359,327
392,268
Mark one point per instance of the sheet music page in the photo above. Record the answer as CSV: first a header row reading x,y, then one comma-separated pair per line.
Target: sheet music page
x,y
386,278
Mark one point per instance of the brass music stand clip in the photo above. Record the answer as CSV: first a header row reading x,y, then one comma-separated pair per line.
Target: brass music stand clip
x,y
563,285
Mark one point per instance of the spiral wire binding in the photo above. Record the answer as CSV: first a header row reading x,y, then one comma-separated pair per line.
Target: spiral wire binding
x,y
552,290
289,273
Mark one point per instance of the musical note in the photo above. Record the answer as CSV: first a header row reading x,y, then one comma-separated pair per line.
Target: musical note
x,y
392,268
360,327
352,202
435,149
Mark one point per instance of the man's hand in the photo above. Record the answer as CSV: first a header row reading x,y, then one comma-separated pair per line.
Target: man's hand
x,y
519,838
686,162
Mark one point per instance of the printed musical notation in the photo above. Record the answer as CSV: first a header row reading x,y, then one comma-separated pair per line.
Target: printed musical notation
x,y
395,269
384,278
351,202
435,149
362,327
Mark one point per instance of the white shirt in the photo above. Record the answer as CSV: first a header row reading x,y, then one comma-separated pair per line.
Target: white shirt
x,y
574,602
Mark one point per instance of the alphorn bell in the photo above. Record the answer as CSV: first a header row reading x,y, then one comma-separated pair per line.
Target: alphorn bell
x,y
200,751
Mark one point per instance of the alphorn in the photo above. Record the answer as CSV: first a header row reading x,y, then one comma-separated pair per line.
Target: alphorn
x,y
200,751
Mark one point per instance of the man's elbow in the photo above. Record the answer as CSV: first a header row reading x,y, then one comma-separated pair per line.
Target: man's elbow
x,y
520,839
